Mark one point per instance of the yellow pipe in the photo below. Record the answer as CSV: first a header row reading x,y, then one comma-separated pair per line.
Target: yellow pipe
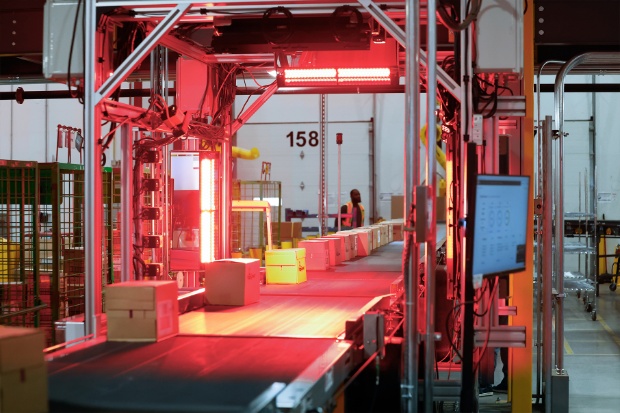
x,y
238,152
439,154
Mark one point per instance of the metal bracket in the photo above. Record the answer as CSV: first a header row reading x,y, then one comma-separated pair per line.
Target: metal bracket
x,y
374,333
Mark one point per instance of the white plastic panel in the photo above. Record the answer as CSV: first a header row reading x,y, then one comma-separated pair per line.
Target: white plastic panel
x,y
499,43
59,27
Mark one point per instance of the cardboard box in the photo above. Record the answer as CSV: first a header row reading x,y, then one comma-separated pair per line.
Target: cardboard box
x,y
233,281
345,245
397,206
398,201
352,236
20,347
23,373
142,310
289,256
376,236
317,254
286,274
397,232
286,231
335,256
24,390
364,241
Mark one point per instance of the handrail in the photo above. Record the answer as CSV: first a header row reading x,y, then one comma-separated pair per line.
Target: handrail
x,y
24,311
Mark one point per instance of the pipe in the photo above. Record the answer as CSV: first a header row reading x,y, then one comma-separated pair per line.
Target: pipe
x,y
409,386
547,263
544,137
241,153
431,179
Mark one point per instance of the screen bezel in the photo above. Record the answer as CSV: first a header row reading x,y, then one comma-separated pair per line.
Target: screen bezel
x,y
524,205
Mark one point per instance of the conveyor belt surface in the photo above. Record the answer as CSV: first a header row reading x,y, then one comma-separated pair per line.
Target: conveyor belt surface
x,y
279,351
181,374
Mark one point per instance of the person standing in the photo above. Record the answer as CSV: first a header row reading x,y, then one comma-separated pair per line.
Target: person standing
x,y
352,213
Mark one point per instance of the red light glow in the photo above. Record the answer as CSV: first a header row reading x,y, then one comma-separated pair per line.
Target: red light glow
x,y
333,76
361,75
207,210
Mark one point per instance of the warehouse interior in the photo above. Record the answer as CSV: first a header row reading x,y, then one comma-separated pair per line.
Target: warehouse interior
x,y
171,183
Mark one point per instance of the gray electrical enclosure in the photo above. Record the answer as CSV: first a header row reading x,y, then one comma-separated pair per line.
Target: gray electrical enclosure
x,y
499,43
59,27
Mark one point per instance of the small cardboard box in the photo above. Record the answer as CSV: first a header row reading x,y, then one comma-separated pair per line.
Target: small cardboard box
x,y
289,256
24,390
233,281
364,241
142,310
286,231
376,236
20,347
317,254
286,274
352,237
335,256
23,373
397,232
344,245
398,201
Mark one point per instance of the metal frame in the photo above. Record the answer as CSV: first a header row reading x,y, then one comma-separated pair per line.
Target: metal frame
x,y
95,95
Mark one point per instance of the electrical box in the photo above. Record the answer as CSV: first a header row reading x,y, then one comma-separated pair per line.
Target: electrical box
x,y
60,27
499,40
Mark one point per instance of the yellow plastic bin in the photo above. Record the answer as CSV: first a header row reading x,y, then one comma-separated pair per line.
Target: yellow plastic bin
x,y
9,259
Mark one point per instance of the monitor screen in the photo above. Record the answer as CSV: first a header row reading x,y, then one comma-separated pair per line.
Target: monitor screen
x,y
500,225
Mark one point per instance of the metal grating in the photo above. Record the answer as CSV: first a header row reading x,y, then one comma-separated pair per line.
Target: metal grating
x,y
248,228
23,301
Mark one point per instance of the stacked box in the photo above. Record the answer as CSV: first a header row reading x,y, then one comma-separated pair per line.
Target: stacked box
x,y
317,254
335,256
389,230
142,310
232,281
286,266
287,231
397,232
23,373
352,236
376,236
364,241
345,245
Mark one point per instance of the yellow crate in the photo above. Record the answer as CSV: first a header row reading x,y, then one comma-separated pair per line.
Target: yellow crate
x,y
9,260
284,256
286,274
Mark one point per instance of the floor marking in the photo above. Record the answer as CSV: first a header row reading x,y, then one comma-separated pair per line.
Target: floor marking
x,y
609,330
567,347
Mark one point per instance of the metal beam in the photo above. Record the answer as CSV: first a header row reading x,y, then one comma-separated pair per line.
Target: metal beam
x,y
262,99
196,53
399,34
140,52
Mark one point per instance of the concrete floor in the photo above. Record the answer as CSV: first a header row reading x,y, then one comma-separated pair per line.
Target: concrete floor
x,y
592,353
591,357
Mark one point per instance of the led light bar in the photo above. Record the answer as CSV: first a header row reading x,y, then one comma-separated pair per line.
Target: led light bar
x,y
336,76
207,210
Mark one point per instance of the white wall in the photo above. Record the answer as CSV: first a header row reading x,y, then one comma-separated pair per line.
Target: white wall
x,y
28,132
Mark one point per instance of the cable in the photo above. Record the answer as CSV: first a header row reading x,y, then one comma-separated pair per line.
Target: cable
x,y
450,23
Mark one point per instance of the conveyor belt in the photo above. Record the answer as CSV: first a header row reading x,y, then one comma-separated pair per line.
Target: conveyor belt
x,y
281,351
185,374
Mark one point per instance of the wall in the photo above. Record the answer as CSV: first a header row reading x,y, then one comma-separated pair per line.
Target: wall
x,y
28,132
